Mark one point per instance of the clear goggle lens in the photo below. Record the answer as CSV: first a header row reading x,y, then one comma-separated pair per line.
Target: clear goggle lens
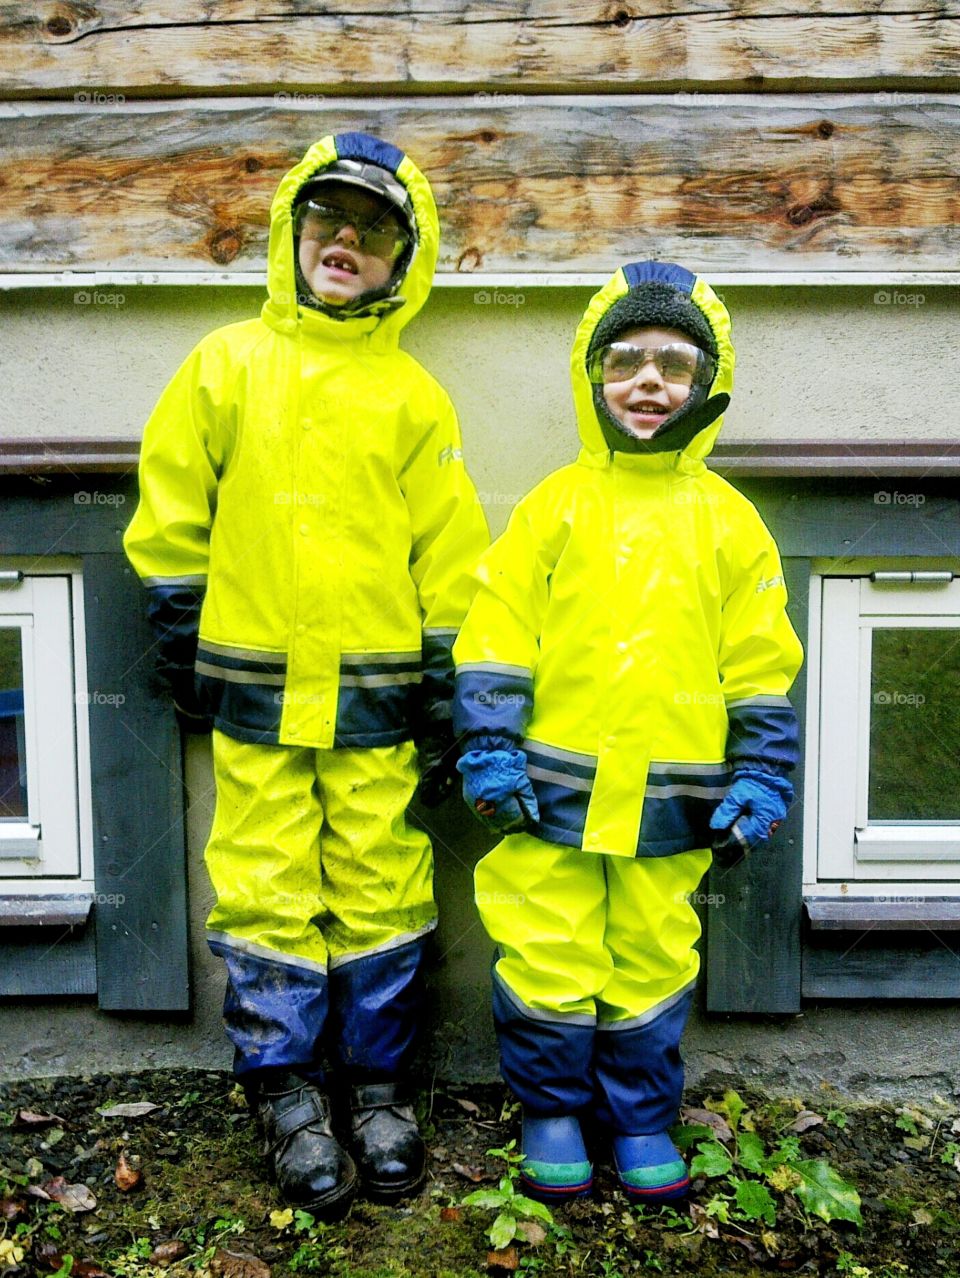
x,y
681,363
384,237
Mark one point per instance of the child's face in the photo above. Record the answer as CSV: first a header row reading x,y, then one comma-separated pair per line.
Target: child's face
x,y
349,242
647,396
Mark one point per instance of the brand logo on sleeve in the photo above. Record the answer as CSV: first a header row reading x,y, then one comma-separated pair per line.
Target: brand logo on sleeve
x,y
768,583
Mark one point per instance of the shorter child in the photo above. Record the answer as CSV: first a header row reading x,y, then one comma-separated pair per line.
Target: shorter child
x,y
621,695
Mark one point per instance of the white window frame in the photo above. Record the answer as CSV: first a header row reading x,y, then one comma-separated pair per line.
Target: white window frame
x,y
64,804
837,737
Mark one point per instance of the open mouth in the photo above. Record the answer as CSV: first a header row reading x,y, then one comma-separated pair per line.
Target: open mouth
x,y
338,260
646,408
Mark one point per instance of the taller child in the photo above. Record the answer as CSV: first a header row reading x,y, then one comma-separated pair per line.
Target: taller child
x,y
305,532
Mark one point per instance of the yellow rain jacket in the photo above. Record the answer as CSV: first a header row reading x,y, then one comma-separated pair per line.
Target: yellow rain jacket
x,y
630,633
302,479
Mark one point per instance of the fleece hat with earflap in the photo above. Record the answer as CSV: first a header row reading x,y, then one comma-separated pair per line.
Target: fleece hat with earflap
x,y
657,297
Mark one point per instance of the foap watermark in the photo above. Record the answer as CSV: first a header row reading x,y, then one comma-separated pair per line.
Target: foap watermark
x,y
894,297
499,499
683,98
698,698
500,898
97,297
883,498
97,498
114,899
497,297
285,98
94,97
894,698
700,898
499,99
499,698
895,98
96,697
298,499
298,698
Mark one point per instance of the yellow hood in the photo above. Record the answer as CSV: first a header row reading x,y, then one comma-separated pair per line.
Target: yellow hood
x,y
702,295
280,310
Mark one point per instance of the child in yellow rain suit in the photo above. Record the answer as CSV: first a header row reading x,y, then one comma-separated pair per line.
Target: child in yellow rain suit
x,y
621,694
306,530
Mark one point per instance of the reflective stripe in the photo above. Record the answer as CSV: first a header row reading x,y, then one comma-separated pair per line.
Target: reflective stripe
x,y
440,632
378,658
242,654
199,579
239,676
560,778
758,701
567,756
380,680
494,667
698,769
538,1013
649,1015
694,791
393,944
262,951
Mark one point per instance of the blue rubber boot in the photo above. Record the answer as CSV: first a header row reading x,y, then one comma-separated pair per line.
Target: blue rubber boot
x,y
650,1168
556,1167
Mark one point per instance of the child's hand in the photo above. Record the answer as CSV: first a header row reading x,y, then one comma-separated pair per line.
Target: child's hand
x,y
497,790
754,806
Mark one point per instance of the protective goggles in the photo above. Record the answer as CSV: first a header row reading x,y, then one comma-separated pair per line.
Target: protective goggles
x,y
382,237
680,362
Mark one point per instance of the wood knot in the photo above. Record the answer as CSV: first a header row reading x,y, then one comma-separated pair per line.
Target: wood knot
x,y
826,128
58,26
799,215
225,244
252,164
469,260
622,19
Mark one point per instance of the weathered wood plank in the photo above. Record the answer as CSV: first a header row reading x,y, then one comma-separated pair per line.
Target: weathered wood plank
x,y
821,182
428,45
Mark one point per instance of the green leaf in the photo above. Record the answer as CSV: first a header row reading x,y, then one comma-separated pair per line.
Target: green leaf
x,y
713,1160
787,1150
825,1193
529,1207
491,1198
733,1107
503,1230
756,1201
506,1187
750,1153
689,1133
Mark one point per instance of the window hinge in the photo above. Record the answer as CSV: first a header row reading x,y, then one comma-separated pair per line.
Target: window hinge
x,y
918,578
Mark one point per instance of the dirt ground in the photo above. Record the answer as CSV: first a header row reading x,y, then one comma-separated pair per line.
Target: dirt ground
x,y
179,1190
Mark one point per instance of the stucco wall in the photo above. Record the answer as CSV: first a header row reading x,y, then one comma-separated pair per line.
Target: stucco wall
x,y
829,363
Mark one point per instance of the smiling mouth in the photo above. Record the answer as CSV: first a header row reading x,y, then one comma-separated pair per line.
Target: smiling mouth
x,y
340,262
647,409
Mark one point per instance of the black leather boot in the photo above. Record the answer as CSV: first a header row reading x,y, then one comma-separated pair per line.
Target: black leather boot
x,y
386,1141
310,1168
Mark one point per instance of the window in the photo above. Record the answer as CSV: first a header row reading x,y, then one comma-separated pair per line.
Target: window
x,y
44,810
883,800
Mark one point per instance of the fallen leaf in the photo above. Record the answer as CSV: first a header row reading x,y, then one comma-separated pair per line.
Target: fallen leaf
x,y
771,1243
468,1105
167,1252
752,1251
916,1142
534,1234
450,1213
87,1269
703,1223
29,1119
34,1168
127,1177
13,1209
129,1109
476,1174
922,1217
54,1136
48,1255
709,1119
75,1198
237,1264
505,1259
805,1120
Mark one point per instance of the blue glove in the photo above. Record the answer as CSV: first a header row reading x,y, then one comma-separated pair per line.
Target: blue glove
x,y
754,806
497,790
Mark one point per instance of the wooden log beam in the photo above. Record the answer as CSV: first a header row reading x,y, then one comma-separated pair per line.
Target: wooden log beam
x,y
554,185
60,47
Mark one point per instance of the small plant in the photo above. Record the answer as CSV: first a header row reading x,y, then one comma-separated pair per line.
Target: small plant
x,y
837,1117
512,1208
747,1172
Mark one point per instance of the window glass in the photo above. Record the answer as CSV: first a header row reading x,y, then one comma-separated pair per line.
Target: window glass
x,y
914,725
13,755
